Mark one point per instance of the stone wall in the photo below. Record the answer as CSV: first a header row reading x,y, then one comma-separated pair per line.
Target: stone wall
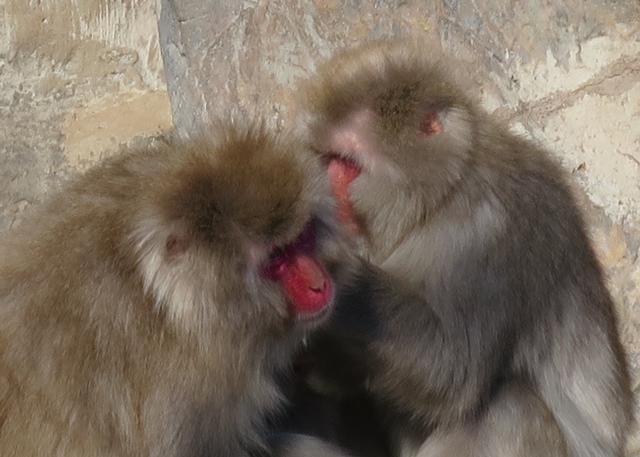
x,y
78,78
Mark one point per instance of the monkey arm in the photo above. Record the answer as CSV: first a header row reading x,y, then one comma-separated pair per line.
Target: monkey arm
x,y
409,352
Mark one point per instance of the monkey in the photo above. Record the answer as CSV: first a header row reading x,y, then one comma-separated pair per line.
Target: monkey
x,y
150,307
482,325
346,356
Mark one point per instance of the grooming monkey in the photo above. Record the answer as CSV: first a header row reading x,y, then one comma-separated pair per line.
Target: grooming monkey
x,y
149,308
489,330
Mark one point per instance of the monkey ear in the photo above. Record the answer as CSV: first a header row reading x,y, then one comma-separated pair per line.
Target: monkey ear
x,y
430,122
176,245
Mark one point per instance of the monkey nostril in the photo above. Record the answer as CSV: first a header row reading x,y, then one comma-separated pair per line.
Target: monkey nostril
x,y
318,288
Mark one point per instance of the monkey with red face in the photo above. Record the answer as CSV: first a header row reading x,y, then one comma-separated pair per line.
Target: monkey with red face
x,y
489,330
150,307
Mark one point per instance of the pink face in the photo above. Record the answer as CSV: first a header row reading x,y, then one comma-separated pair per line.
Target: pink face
x,y
351,148
306,284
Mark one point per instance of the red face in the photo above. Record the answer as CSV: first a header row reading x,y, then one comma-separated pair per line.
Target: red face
x,y
306,283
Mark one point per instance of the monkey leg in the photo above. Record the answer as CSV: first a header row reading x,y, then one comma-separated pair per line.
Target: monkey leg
x,y
516,424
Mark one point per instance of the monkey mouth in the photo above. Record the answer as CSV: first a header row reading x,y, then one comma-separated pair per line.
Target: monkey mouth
x,y
306,283
341,168
342,171
312,317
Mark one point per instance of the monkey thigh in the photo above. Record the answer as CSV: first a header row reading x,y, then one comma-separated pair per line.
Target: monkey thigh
x,y
516,424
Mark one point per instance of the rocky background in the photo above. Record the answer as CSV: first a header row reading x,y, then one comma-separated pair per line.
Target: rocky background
x,y
80,79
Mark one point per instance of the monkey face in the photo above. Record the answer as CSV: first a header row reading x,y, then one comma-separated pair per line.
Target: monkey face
x,y
391,128
245,223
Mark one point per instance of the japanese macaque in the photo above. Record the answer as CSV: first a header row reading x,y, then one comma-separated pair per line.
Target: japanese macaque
x,y
504,341
150,308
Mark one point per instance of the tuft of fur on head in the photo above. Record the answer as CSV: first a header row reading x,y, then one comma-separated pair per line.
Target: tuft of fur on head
x,y
389,77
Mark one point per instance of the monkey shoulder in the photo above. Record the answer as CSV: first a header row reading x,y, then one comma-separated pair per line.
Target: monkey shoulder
x,y
528,184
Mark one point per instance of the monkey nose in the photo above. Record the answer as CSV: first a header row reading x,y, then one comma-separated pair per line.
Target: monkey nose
x,y
310,269
307,284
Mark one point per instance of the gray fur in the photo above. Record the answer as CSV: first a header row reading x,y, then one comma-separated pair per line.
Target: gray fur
x,y
490,308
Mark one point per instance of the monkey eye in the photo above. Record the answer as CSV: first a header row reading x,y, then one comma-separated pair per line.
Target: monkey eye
x,y
306,242
276,253
281,255
275,264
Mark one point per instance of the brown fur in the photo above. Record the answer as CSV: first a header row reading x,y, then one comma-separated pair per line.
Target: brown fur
x,y
133,316
482,224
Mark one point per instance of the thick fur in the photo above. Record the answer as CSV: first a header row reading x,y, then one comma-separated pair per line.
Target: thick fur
x,y
481,227
134,320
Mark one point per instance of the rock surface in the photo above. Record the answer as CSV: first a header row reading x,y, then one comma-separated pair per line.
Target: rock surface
x,y
79,79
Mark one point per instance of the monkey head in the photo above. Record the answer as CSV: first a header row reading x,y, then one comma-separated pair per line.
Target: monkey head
x,y
246,224
157,301
391,127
